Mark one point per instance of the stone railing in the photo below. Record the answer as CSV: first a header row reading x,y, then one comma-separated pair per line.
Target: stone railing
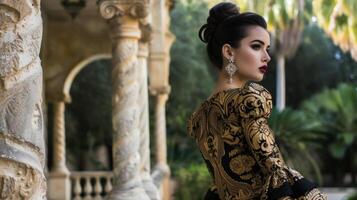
x,y
91,185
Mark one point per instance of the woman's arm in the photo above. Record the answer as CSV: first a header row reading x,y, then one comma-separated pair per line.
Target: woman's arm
x,y
281,181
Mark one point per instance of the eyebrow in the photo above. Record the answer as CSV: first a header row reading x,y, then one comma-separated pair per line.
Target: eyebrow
x,y
261,42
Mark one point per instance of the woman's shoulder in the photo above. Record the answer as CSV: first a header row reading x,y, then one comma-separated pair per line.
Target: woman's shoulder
x,y
254,101
255,89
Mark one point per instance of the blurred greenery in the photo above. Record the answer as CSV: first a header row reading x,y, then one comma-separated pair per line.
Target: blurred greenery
x,y
190,78
296,139
318,64
193,182
338,19
335,110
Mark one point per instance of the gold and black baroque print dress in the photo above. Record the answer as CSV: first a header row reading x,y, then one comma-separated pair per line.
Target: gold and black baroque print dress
x,y
240,151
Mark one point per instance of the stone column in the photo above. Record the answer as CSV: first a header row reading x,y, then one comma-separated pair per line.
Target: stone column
x,y
163,96
143,101
161,173
159,87
123,19
59,181
22,147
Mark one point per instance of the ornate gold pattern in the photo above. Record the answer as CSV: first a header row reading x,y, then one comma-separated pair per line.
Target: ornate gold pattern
x,y
239,147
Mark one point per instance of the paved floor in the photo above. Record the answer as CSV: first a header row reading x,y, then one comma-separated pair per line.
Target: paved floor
x,y
338,193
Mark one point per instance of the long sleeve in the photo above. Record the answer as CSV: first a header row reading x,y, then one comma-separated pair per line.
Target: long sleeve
x,y
281,181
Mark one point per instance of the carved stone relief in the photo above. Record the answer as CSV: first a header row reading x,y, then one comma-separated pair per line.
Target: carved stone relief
x,y
22,150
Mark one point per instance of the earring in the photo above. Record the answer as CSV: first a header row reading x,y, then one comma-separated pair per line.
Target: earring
x,y
231,68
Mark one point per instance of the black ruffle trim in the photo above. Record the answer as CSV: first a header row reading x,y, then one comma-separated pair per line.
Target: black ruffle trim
x,y
211,195
299,188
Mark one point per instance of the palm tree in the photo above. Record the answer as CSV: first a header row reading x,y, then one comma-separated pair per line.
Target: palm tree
x,y
336,112
339,20
285,23
296,140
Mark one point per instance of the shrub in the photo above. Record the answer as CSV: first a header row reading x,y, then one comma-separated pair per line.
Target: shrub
x,y
193,182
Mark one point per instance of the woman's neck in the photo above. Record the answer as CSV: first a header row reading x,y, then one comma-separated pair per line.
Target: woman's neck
x,y
223,82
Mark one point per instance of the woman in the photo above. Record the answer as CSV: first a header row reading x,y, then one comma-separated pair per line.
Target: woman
x,y
231,127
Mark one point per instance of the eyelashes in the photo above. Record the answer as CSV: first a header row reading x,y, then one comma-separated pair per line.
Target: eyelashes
x,y
255,46
258,46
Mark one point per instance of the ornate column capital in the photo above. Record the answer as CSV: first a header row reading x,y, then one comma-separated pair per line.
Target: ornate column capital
x,y
146,30
117,8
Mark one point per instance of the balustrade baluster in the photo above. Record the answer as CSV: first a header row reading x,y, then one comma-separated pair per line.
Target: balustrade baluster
x,y
77,188
88,188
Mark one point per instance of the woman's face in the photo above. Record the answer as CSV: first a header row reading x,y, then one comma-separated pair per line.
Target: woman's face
x,y
251,57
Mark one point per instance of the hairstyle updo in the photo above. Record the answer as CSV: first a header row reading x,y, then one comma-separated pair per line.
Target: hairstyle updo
x,y
226,25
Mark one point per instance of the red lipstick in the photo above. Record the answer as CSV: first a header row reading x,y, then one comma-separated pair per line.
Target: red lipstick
x,y
263,69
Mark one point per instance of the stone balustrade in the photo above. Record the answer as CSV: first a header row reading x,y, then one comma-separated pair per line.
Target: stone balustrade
x,y
91,185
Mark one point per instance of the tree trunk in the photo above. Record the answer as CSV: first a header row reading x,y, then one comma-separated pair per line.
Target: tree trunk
x,y
280,82
352,162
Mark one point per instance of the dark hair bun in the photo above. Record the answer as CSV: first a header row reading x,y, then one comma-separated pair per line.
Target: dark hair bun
x,y
217,15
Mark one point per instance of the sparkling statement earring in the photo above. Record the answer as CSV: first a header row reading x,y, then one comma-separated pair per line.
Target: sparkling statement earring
x,y
231,68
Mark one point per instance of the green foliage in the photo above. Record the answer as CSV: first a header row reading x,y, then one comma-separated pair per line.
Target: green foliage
x,y
295,139
325,126
191,82
190,79
317,64
336,111
338,19
193,182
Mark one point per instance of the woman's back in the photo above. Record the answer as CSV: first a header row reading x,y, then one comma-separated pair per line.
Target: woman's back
x,y
239,148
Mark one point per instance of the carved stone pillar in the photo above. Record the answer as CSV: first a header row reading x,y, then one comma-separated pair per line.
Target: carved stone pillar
x,y
162,98
123,19
59,181
22,147
161,172
159,87
143,101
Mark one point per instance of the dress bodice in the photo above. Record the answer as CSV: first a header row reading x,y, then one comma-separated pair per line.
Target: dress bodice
x,y
239,148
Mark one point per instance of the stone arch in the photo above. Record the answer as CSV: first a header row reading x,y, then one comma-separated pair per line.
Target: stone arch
x,y
76,69
70,79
